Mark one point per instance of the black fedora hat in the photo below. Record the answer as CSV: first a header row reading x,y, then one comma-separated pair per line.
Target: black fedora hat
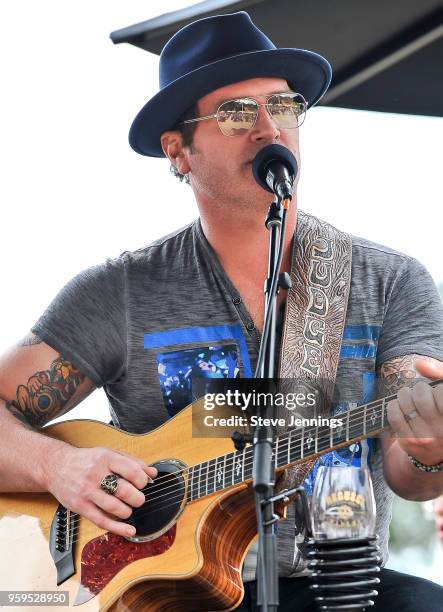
x,y
211,53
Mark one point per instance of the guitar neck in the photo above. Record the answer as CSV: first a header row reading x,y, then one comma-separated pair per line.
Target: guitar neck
x,y
296,446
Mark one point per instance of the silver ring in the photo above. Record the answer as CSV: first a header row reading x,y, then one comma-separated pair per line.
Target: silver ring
x,y
411,415
109,484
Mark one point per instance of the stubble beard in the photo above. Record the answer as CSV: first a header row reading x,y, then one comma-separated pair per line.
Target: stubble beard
x,y
222,190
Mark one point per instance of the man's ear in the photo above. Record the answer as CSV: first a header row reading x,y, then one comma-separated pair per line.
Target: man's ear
x,y
172,145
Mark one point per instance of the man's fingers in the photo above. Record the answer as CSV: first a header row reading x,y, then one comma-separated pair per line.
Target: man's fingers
x,y
414,401
130,470
438,397
423,399
99,518
129,494
397,420
429,367
148,469
111,504
405,400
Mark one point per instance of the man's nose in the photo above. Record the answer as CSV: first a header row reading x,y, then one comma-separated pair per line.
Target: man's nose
x,y
265,128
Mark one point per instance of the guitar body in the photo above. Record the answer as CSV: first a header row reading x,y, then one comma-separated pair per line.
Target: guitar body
x,y
194,563
193,532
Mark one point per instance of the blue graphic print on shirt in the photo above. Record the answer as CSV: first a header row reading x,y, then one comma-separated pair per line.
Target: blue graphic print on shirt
x,y
359,342
217,352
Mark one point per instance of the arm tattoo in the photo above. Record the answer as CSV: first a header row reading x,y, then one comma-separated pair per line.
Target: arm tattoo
x,y
30,340
399,372
46,393
18,414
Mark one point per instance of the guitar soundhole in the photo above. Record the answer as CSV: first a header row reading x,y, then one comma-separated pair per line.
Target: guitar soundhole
x,y
164,502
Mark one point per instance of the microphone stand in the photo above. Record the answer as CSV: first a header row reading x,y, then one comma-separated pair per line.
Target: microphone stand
x,y
263,471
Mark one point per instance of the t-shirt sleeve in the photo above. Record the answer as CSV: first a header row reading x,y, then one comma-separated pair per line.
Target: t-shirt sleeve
x,y
86,322
413,318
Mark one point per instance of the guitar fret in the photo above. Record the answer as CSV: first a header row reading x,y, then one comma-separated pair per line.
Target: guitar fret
x,y
340,434
237,473
276,454
191,483
358,429
309,441
243,464
364,420
205,467
215,475
224,471
352,422
199,479
233,467
212,476
247,463
294,450
227,470
204,479
323,439
219,476
289,448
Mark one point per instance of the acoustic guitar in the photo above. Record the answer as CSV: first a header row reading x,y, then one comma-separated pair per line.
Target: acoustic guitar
x,y
193,531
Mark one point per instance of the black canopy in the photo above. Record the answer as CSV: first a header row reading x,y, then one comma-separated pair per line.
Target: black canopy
x,y
385,55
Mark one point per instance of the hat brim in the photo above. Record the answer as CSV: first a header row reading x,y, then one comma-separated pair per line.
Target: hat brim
x,y
307,73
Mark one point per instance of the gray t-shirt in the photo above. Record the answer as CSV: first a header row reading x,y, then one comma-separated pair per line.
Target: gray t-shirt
x,y
143,324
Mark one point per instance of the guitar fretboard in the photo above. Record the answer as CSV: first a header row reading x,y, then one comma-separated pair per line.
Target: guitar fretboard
x,y
295,446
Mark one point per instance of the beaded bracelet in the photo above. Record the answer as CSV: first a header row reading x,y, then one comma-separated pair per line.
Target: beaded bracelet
x,y
437,467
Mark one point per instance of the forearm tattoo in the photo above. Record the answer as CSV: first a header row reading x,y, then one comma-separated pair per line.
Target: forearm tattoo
x,y
399,372
46,393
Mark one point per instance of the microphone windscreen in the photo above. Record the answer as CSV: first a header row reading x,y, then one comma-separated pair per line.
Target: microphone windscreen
x,y
266,156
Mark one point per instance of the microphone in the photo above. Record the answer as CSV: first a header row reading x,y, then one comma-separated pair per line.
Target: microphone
x,y
275,169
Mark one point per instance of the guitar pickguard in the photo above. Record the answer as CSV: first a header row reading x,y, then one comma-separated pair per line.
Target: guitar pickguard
x,y
103,557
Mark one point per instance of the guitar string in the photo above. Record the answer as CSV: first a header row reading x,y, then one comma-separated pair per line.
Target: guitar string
x,y
284,451
162,507
286,442
372,405
357,412
171,502
380,403
287,445
284,438
354,413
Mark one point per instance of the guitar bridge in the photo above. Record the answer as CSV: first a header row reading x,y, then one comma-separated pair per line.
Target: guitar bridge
x,y
61,542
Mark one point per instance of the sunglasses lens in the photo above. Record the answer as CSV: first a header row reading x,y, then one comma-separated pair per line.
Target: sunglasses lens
x,y
287,110
236,117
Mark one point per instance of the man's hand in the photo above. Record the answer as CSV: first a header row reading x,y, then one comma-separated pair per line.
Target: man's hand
x,y
74,476
422,435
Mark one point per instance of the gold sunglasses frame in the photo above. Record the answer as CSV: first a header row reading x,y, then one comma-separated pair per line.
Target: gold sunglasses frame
x,y
266,104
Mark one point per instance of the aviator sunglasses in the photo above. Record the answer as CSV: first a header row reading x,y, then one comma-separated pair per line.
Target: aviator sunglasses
x,y
236,117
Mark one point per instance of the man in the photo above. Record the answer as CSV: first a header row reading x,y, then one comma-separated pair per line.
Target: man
x,y
198,293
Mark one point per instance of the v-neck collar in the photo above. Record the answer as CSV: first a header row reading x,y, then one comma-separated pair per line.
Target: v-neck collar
x,y
232,290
